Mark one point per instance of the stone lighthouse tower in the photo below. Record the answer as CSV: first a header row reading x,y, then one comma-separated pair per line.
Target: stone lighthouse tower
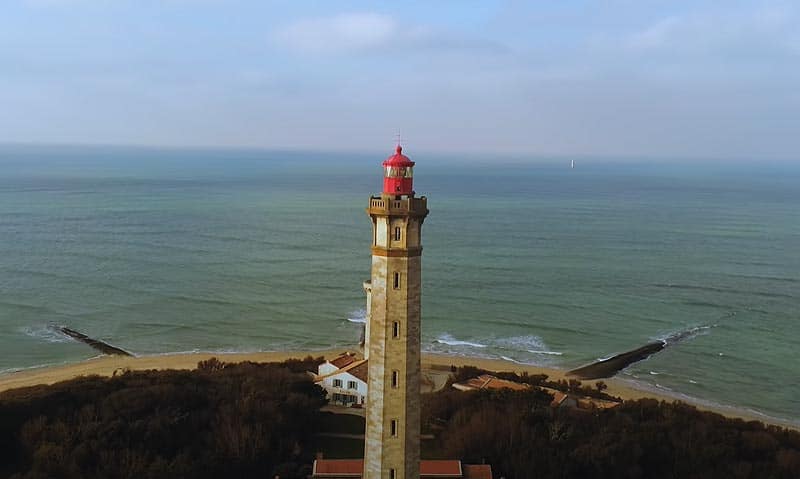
x,y
392,340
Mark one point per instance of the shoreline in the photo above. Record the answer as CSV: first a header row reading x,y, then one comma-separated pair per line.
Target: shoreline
x,y
104,365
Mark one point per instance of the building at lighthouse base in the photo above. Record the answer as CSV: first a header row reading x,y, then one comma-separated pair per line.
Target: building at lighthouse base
x,y
428,469
344,379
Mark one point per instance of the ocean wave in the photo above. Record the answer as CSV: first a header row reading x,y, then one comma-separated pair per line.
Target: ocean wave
x,y
551,353
46,333
30,368
529,343
275,348
713,289
525,349
522,343
451,341
685,334
357,316
511,360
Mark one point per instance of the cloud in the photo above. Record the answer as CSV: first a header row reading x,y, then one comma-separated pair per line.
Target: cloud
x,y
655,36
374,32
65,3
339,33
773,28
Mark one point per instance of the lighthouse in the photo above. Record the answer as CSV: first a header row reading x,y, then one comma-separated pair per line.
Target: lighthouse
x,y
392,338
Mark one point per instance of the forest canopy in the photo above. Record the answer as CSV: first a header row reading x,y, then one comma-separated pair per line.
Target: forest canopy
x,y
220,420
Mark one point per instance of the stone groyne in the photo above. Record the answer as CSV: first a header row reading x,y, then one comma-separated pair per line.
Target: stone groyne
x,y
101,346
607,368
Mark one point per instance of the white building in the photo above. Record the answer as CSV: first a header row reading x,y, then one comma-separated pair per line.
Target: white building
x,y
344,379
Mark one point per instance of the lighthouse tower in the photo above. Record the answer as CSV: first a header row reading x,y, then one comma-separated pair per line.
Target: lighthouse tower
x,y
392,340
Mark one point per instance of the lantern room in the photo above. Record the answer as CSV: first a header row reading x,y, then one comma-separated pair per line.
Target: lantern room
x,y
398,174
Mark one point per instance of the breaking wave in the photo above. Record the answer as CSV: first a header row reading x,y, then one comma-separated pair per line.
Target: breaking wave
x,y
46,333
358,316
526,349
451,341
551,353
511,360
685,334
530,343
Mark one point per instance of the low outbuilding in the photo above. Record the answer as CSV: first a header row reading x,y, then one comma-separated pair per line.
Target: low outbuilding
x,y
428,469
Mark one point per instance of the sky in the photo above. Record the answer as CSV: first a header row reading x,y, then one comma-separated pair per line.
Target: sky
x,y
618,78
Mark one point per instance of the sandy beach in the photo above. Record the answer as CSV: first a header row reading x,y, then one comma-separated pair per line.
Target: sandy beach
x,y
108,365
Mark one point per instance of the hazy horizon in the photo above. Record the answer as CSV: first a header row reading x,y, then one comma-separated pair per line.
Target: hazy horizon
x,y
10,150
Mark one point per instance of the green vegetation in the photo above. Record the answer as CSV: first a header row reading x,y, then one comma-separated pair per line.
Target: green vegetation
x,y
522,436
340,424
340,448
221,420
260,420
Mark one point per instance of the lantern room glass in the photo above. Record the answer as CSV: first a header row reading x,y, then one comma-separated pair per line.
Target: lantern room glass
x,y
399,172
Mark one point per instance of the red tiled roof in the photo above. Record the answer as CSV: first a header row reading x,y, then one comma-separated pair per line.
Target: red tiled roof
x,y
338,467
442,468
486,381
343,360
360,371
474,383
477,471
558,397
427,469
357,368
497,383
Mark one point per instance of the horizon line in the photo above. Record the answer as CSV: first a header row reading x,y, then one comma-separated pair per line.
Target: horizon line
x,y
474,154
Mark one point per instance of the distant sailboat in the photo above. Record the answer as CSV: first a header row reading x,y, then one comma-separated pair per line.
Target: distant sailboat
x,y
572,164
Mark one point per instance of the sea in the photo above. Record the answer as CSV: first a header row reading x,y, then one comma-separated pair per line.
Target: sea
x,y
160,251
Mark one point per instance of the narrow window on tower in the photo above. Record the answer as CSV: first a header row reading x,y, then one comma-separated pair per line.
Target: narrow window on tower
x,y
395,378
396,329
394,428
397,281
392,474
397,233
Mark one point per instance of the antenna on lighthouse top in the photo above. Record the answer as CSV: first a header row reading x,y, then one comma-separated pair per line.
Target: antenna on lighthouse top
x,y
399,138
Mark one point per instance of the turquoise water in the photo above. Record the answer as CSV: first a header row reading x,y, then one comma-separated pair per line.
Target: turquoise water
x,y
167,251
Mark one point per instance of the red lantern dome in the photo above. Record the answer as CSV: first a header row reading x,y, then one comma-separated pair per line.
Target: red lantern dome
x,y
398,174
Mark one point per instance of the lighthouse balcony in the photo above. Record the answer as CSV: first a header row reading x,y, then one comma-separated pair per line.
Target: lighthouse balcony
x,y
390,205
